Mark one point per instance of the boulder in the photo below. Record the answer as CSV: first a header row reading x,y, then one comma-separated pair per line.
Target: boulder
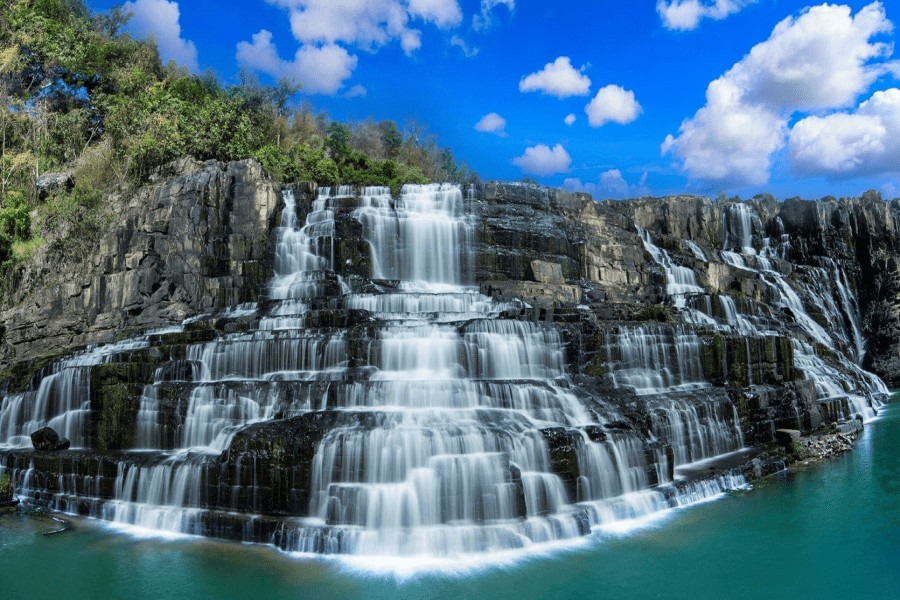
x,y
786,436
46,439
50,184
849,427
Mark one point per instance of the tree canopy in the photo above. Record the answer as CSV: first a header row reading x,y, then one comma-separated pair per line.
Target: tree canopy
x,y
80,95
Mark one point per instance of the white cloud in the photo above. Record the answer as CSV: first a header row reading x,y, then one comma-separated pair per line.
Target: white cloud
x,y
357,91
890,191
161,19
484,20
367,24
320,70
864,142
362,23
443,13
328,28
613,180
460,43
612,104
728,140
611,185
542,160
558,79
820,60
684,15
570,118
491,123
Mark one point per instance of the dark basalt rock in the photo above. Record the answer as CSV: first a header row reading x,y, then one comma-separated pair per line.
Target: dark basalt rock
x,y
46,439
563,447
194,240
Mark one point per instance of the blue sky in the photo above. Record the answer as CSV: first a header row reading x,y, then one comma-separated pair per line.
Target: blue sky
x,y
667,96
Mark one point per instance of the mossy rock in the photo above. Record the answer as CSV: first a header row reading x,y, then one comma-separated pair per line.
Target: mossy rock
x,y
116,407
23,376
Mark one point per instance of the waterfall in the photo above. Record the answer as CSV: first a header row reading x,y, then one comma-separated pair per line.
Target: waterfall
x,y
456,429
433,419
654,359
62,399
851,310
424,238
680,280
738,228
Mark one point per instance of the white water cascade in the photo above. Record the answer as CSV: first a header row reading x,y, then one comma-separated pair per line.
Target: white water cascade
x,y
456,430
826,294
435,421
680,280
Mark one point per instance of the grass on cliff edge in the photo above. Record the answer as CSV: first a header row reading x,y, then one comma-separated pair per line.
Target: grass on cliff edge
x,y
80,96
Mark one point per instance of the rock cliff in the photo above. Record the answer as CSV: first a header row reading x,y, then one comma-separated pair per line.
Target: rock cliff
x,y
619,341
193,241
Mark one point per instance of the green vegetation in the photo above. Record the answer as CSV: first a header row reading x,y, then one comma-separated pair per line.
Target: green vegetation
x,y
79,96
6,489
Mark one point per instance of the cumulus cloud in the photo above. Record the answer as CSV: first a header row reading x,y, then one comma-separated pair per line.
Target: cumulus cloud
x,y
484,20
362,23
161,20
491,123
443,13
863,142
558,78
319,70
684,15
570,118
728,140
542,160
612,184
325,29
890,191
612,104
823,59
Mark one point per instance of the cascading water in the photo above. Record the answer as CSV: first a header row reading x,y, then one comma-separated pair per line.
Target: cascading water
x,y
738,228
654,359
827,290
680,281
62,399
445,424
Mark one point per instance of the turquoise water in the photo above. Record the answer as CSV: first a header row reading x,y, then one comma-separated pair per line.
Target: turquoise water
x,y
827,532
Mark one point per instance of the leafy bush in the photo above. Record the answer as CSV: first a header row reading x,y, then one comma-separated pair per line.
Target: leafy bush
x,y
15,223
77,93
6,488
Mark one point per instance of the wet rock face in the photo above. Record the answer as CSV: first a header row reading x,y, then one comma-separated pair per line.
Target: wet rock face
x,y
525,231
864,233
665,378
193,240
